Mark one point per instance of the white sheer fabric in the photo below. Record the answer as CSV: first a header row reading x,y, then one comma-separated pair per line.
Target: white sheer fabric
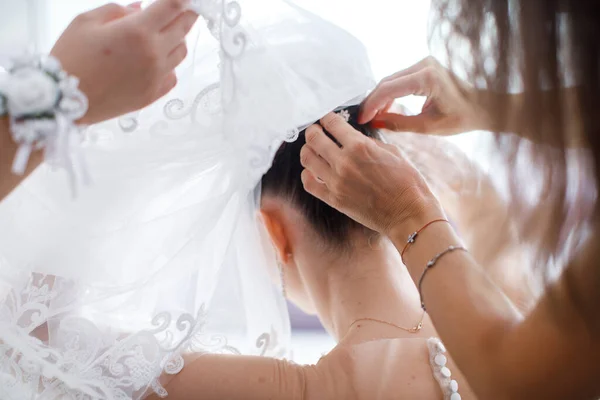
x,y
163,254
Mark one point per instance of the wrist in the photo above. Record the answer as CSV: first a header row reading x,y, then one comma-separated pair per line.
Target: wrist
x,y
484,103
8,149
488,105
400,231
40,103
434,239
87,118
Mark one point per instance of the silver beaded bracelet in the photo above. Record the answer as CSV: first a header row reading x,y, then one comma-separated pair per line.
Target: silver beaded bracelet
x,y
431,264
43,104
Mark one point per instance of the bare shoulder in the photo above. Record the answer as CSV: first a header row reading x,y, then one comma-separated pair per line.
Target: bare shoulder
x,y
380,369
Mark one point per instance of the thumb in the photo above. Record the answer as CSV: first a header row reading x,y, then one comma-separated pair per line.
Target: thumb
x,y
133,7
137,6
402,123
109,12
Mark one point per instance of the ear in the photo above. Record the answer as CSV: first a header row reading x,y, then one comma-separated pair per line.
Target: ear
x,y
275,228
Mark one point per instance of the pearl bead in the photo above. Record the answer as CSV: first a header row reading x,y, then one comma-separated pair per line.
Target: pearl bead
x,y
454,386
441,360
455,396
446,372
441,347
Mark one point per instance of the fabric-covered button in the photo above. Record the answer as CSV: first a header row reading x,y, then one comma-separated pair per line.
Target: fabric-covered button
x,y
454,386
441,360
441,347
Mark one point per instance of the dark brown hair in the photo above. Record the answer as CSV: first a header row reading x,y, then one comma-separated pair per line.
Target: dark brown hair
x,y
538,48
283,180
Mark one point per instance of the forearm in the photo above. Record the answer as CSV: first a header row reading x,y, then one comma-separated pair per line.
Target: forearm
x,y
514,121
8,149
217,377
476,209
487,228
500,352
469,311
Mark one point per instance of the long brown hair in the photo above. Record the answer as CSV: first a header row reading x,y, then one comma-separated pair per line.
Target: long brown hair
x,y
539,48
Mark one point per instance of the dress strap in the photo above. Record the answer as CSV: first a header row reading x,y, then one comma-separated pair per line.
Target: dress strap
x,y
441,372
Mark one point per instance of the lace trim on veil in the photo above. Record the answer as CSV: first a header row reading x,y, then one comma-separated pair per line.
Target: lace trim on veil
x,y
83,362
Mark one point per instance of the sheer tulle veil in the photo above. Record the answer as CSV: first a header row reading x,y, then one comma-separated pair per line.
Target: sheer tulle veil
x,y
163,253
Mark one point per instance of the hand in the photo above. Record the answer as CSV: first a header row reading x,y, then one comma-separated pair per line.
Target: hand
x,y
371,182
450,107
125,57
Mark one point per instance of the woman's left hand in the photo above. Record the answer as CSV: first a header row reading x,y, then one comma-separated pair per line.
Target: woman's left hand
x,y
124,57
369,181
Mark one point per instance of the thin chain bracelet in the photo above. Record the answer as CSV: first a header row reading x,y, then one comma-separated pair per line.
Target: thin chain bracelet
x,y
431,264
413,236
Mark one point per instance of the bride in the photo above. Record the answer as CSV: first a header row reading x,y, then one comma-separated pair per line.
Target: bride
x,y
355,282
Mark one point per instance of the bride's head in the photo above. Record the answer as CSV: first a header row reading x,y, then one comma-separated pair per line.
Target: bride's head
x,y
306,232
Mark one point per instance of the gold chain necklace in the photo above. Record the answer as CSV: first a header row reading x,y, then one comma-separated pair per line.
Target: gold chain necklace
x,y
414,329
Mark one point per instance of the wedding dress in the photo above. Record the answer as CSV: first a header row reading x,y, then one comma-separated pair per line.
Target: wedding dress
x,y
162,254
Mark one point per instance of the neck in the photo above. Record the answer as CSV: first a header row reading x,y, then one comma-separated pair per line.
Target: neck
x,y
371,283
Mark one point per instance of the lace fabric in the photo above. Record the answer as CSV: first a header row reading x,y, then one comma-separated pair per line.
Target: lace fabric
x,y
78,358
163,255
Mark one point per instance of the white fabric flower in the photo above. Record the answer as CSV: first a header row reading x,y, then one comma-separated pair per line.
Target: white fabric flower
x,y
31,91
52,65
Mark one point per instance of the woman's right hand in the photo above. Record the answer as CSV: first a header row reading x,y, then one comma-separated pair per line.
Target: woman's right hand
x,y
450,107
125,57
371,182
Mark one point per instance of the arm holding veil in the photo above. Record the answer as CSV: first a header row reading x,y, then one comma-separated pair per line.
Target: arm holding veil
x,y
124,59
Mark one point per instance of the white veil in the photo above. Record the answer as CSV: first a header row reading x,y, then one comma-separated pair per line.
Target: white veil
x,y
163,253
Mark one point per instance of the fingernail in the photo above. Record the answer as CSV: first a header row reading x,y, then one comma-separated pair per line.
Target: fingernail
x,y
363,118
378,124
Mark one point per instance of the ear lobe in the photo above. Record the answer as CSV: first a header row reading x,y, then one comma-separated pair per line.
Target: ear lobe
x,y
277,234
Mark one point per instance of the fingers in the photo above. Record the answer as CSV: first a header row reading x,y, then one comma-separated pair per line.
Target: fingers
x,y
418,83
174,34
314,187
341,130
320,144
168,84
162,12
424,63
135,6
402,123
392,148
176,56
315,164
108,12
